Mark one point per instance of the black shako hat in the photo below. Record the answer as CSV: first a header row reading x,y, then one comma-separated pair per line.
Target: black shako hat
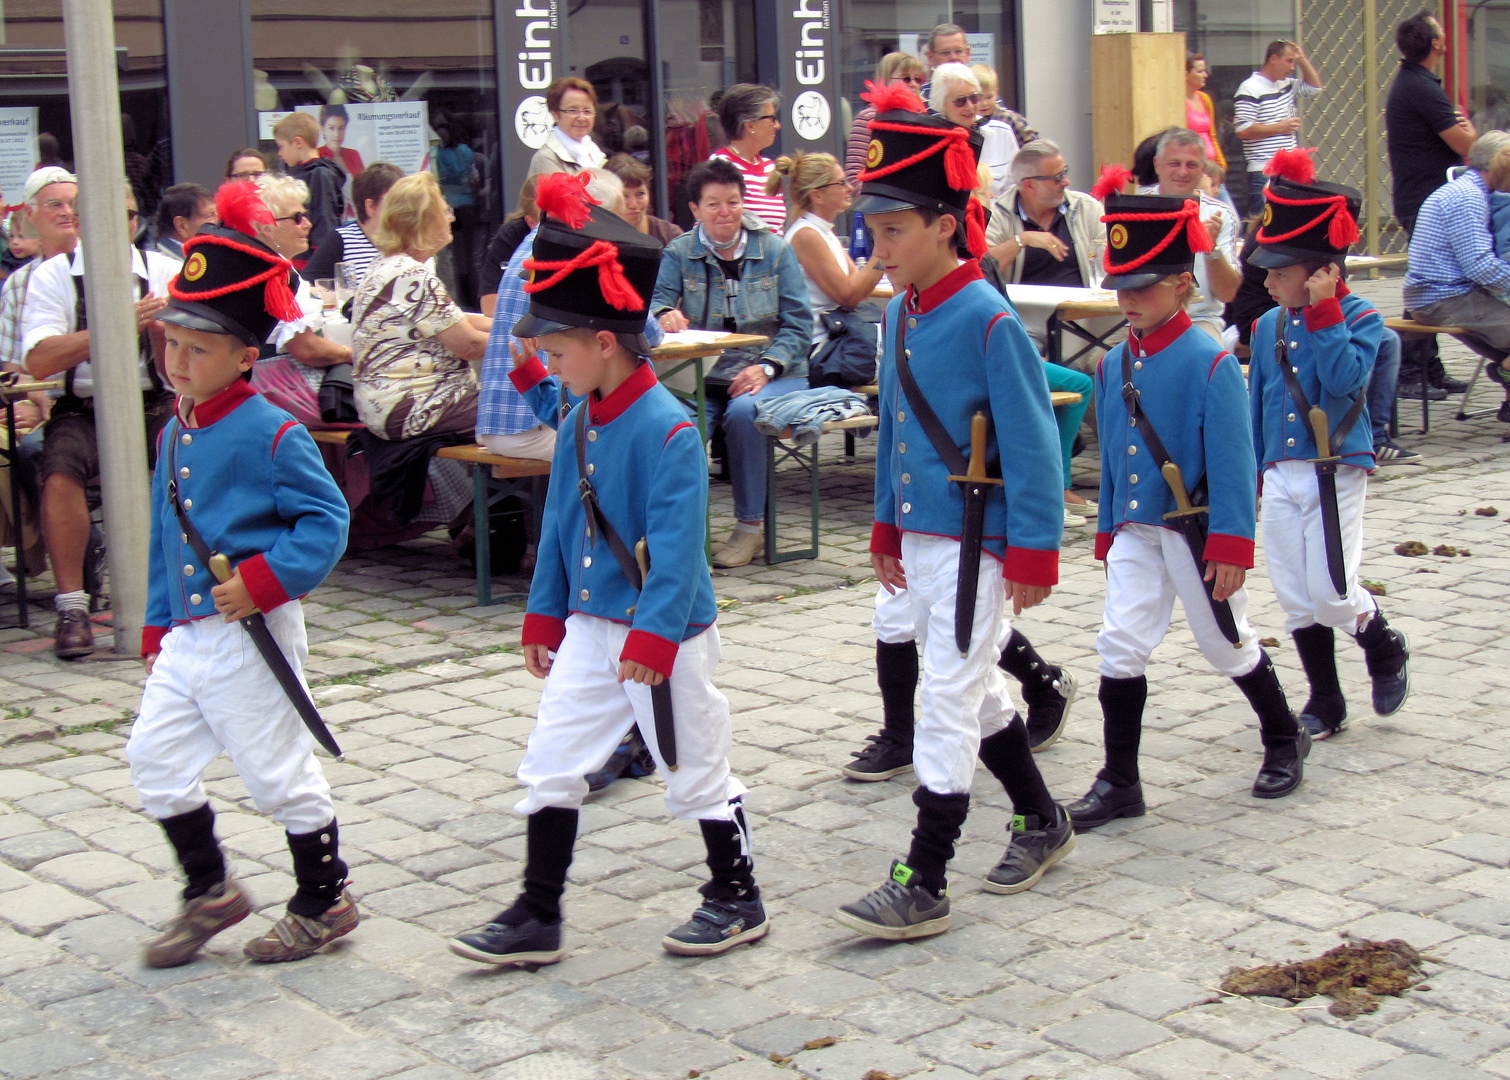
x,y
231,282
1148,237
1304,220
920,161
589,268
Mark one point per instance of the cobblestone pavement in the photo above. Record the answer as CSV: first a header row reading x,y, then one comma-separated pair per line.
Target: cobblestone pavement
x,y
1102,972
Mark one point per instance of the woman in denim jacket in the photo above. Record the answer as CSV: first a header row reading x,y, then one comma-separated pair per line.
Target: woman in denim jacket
x,y
731,273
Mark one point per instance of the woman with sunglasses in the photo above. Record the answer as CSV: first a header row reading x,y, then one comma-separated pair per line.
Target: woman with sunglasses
x,y
897,67
751,117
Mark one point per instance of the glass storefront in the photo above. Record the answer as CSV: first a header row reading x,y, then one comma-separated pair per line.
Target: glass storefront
x,y
1488,64
1232,35
873,28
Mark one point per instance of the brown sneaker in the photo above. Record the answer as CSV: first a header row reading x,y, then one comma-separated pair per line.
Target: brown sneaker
x,y
203,917
294,937
73,637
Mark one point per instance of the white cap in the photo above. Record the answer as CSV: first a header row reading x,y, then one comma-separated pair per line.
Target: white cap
x,y
38,180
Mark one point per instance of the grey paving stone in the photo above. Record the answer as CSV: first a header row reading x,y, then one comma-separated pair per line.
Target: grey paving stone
x,y
365,1060
17,1020
542,1003
899,1016
1329,1052
481,1045
56,982
45,1052
723,1010
1106,1034
675,1053
787,1035
219,994
977,1046
159,1039
221,1062
108,1009
603,1031
342,986
1456,1038
551,1065
29,849
852,1059
411,1019
1421,1067
100,1070
1148,995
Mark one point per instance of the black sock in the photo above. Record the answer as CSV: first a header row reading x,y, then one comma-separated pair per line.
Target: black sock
x,y
1011,761
897,676
1021,661
193,838
1317,646
729,864
551,833
318,871
940,818
1122,702
1277,726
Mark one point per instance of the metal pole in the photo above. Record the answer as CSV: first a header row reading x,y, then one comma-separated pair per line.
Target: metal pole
x,y
1371,67
94,98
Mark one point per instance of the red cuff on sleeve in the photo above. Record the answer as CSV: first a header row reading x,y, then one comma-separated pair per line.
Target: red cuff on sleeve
x,y
528,375
262,584
1103,545
1029,566
544,630
1237,550
886,540
1327,313
652,650
152,639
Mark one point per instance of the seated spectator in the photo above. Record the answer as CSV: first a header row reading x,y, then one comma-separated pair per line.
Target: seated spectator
x,y
1041,232
352,242
296,135
732,274
751,116
954,93
894,67
1000,143
1454,272
635,176
569,147
412,346
506,241
245,164
184,208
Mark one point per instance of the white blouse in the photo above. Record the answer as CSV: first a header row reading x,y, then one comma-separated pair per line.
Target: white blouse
x,y
819,300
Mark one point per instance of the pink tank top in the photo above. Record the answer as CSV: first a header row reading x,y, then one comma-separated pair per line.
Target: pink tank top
x,y
1199,121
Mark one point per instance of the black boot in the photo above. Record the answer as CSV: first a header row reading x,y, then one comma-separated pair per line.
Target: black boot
x,y
1286,743
1010,759
318,871
193,838
732,912
940,818
1047,690
529,931
730,868
1118,790
1386,653
1325,712
890,753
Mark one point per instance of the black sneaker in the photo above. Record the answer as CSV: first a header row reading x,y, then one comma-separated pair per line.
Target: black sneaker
x,y
624,761
1413,391
897,910
1387,657
1391,453
1321,727
1449,384
1048,716
532,942
1031,851
1503,415
885,757
717,927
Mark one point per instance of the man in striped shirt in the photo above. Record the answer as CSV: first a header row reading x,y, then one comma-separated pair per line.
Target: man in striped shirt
x,y
1265,116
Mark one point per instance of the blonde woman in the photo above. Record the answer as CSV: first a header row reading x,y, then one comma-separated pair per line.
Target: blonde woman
x,y
816,194
412,345
894,67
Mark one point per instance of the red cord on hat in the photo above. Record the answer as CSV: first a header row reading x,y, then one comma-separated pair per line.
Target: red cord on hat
x,y
975,228
1188,217
1341,233
278,299
611,280
959,162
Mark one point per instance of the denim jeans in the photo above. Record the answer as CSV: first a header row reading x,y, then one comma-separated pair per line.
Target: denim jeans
x,y
1255,192
744,445
1381,386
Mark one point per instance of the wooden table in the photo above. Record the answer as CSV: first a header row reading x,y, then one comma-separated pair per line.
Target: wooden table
x,y
11,392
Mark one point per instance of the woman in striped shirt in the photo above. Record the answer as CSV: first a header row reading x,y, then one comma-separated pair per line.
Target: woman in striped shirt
x,y
894,67
751,117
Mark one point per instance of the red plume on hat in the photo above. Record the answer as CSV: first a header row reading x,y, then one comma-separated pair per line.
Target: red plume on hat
x,y
1113,179
891,97
564,196
1294,165
240,207
1297,167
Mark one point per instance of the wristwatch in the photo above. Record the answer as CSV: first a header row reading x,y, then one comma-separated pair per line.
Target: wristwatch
x,y
770,372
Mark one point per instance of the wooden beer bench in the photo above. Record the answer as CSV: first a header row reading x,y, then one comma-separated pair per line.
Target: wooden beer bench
x,y
1410,326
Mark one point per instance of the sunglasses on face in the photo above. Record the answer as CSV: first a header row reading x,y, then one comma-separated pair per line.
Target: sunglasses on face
x,y
968,99
916,80
298,219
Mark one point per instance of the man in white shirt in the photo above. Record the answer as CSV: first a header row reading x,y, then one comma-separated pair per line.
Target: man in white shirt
x,y
1264,112
55,342
1180,161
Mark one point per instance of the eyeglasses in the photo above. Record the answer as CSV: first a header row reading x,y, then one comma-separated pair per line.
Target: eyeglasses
x,y
1057,178
957,53
766,116
836,183
579,113
252,175
132,213
53,206
298,219
916,80
968,99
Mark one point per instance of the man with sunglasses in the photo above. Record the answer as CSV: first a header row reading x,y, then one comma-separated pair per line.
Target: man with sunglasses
x,y
55,342
1041,232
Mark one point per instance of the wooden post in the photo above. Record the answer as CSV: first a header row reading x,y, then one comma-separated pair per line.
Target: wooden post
x,y
1137,90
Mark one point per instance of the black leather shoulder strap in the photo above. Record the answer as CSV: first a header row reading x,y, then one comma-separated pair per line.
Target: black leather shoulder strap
x,y
1298,394
943,445
597,521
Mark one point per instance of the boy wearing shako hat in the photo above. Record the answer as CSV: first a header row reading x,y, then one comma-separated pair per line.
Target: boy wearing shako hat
x,y
1178,500
621,610
967,507
1308,380
237,478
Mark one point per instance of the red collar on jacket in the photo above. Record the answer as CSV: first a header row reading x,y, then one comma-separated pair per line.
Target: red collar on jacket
x,y
628,392
1160,339
945,287
222,404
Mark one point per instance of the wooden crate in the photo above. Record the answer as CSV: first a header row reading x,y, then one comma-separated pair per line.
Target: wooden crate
x,y
1137,90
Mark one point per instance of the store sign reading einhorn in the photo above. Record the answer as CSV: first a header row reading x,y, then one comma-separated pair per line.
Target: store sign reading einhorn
x,y
809,33
529,60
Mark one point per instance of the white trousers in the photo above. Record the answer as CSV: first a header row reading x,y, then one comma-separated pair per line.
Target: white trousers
x,y
1295,547
963,698
538,442
585,711
210,690
1146,569
892,621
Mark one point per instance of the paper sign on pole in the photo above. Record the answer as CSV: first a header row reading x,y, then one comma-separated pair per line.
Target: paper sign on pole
x,y
397,132
18,150
1115,17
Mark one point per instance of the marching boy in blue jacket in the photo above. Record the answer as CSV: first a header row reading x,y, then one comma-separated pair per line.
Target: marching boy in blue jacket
x,y
621,611
251,483
1313,508
962,395
1172,412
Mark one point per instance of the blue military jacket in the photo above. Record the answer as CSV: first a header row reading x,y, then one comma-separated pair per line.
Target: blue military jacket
x,y
969,353
1193,394
1333,345
648,465
254,485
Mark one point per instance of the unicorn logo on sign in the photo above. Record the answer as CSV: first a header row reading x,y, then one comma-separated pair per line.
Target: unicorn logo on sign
x,y
533,122
811,115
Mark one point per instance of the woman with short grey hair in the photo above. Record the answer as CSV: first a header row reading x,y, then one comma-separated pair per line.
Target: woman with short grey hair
x,y
751,117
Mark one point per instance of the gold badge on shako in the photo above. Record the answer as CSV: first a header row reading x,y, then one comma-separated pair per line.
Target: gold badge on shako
x,y
873,154
1118,236
1268,213
194,269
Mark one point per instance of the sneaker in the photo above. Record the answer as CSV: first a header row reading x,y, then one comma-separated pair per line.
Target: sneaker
x,y
885,757
1449,384
897,911
1031,852
531,942
738,550
1389,670
294,937
1391,453
202,918
73,637
1413,391
1321,728
1048,718
1503,414
624,761
717,926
